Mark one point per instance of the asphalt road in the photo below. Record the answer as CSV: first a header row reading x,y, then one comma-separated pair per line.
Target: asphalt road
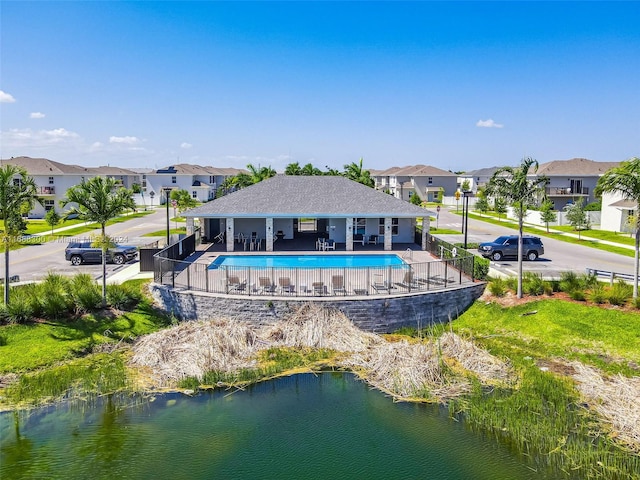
x,y
33,262
559,256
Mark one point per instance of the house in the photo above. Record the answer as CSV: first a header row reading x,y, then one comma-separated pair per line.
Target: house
x,y
345,211
476,178
52,180
616,211
429,183
201,182
572,179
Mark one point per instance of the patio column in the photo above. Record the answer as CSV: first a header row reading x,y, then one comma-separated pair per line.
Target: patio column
x,y
189,225
269,234
230,235
426,225
388,237
349,237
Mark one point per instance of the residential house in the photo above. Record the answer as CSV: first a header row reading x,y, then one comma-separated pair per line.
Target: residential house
x,y
476,178
429,183
616,212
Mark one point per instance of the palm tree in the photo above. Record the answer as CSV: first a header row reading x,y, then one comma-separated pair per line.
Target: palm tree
x,y
293,169
355,171
625,179
17,193
260,173
515,186
99,200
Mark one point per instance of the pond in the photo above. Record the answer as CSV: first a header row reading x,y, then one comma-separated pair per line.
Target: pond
x,y
306,426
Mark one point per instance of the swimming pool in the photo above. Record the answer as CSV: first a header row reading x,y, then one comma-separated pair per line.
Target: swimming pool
x,y
307,261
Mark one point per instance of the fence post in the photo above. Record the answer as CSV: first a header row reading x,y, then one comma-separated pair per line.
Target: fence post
x,y
446,274
189,277
206,278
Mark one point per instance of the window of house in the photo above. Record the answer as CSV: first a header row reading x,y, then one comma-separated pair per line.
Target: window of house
x,y
50,180
49,205
144,183
174,179
394,226
359,226
430,180
17,182
194,194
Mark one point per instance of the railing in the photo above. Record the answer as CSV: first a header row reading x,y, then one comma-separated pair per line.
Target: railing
x,y
566,191
45,190
628,277
314,282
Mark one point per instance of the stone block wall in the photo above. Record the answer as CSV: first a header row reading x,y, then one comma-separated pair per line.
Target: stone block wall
x,y
379,314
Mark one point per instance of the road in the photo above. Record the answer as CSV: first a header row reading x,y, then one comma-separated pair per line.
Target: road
x,y
33,262
559,256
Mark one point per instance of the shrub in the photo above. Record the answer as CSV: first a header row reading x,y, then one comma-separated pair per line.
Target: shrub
x,y
569,281
512,283
123,297
480,268
532,284
635,302
54,297
86,293
598,294
620,293
498,287
578,295
19,310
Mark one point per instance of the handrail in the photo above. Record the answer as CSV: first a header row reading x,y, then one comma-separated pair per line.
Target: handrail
x,y
408,253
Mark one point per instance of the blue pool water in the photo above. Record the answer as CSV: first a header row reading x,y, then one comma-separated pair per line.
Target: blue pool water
x,y
307,261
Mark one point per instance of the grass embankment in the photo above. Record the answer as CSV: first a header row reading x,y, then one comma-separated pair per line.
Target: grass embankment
x,y
72,232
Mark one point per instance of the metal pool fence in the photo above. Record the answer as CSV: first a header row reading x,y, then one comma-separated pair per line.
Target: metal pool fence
x,y
438,274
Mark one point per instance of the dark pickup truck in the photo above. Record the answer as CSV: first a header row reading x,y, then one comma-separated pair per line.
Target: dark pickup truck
x,y
83,252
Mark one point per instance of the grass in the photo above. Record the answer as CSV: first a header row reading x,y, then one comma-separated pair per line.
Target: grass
x,y
72,232
162,233
44,344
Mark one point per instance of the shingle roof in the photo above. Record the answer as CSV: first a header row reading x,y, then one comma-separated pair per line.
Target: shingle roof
x,y
307,196
108,170
481,172
44,166
576,166
423,171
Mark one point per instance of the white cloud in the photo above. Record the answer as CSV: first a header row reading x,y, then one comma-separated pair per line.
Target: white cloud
x,y
128,140
6,97
185,145
488,124
36,115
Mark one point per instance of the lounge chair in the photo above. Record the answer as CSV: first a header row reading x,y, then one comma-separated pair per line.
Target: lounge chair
x,y
337,284
373,239
219,238
330,245
382,286
358,238
266,285
234,284
409,282
285,285
319,288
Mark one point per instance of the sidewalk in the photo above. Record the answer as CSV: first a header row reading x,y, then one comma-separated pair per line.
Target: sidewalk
x,y
129,272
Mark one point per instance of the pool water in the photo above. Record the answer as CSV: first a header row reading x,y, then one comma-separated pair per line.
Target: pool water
x,y
307,261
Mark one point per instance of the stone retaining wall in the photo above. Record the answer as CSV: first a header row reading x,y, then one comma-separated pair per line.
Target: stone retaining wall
x,y
380,314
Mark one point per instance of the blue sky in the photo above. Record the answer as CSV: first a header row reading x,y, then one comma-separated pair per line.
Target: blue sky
x,y
456,85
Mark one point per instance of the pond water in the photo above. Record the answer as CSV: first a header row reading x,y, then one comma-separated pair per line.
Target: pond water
x,y
302,427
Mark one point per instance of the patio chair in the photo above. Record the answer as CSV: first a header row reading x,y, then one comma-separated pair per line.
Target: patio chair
x,y
337,284
320,243
266,285
382,286
219,238
409,282
319,288
285,285
373,239
234,284
358,238
254,236
330,245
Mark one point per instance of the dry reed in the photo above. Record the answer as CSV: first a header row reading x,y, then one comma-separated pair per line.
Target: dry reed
x,y
614,398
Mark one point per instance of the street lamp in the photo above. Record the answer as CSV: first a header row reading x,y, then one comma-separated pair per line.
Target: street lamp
x,y
167,191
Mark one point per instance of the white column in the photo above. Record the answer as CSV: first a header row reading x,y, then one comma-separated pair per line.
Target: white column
x,y
230,235
189,225
349,230
388,238
269,235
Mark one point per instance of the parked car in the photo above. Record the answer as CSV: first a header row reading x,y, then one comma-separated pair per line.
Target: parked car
x,y
507,246
83,252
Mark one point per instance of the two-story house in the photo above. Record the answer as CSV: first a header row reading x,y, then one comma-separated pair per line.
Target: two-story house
x,y
429,183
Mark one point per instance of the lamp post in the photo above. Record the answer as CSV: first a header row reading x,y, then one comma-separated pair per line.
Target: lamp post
x,y
167,191
466,194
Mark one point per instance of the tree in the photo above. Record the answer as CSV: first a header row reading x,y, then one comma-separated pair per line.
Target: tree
x,y
52,218
625,180
98,199
310,170
515,186
17,193
260,173
355,171
332,171
482,205
466,185
577,217
415,199
183,199
499,206
547,213
293,169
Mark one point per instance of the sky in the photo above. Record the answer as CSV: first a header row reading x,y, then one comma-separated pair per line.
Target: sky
x,y
454,85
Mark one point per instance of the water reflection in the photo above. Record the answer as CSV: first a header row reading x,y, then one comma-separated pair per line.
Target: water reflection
x,y
305,426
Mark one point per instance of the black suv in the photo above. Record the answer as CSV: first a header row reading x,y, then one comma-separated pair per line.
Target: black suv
x,y
83,252
507,246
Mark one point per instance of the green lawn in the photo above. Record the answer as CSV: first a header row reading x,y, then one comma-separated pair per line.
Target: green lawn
x,y
163,233
72,232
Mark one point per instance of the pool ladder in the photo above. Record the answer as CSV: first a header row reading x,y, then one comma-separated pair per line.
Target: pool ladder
x,y
408,253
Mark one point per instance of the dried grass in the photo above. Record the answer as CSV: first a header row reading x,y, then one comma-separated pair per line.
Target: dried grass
x,y
614,398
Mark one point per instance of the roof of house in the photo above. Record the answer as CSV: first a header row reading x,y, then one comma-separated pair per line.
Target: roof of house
x,y
480,172
44,166
423,171
576,166
387,172
307,196
109,170
625,204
